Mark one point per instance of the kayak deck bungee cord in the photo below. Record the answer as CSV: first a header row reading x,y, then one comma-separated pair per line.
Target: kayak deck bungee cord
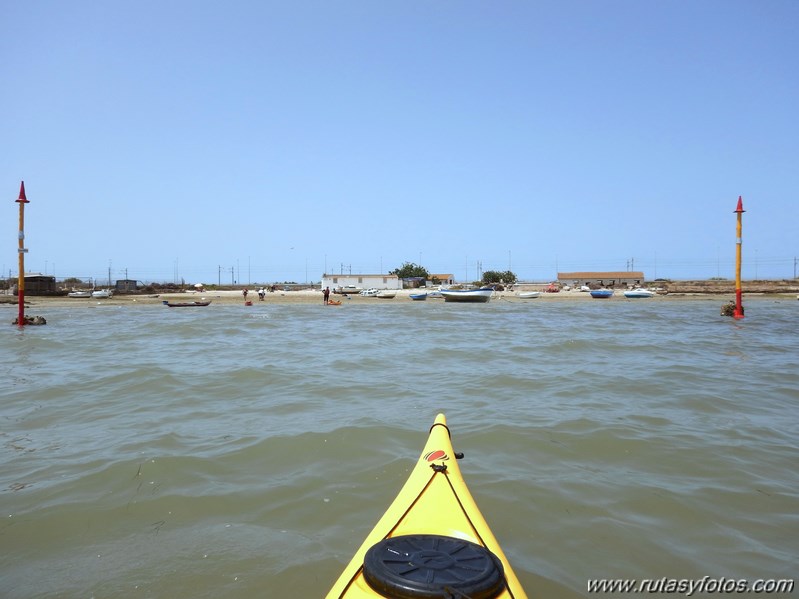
x,y
432,541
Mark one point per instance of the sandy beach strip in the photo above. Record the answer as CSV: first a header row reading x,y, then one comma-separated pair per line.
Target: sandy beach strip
x,y
227,297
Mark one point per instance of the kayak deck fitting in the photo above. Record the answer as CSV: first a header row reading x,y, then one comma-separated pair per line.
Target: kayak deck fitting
x,y
432,541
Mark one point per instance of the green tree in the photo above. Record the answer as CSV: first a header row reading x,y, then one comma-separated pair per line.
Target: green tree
x,y
409,269
492,276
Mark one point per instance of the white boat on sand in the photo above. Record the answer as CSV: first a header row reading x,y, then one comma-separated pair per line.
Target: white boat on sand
x,y
482,295
638,293
347,290
381,293
529,294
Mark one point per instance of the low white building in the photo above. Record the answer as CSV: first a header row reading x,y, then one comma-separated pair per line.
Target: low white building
x,y
358,282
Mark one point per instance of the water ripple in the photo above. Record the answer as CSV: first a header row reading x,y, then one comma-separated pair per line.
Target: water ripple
x,y
220,452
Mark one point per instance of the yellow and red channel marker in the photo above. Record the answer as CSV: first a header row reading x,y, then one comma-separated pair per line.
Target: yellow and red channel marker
x,y
739,309
22,200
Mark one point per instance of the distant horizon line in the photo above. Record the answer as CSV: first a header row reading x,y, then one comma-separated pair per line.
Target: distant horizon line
x,y
236,283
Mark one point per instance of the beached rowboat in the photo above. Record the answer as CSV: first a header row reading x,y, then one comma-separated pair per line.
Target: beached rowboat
x,y
482,295
432,541
347,290
639,293
602,293
186,304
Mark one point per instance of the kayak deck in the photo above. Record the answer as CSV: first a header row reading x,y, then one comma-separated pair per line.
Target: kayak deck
x,y
432,541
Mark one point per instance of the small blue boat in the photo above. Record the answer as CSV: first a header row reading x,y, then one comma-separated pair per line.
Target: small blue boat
x,y
419,297
601,293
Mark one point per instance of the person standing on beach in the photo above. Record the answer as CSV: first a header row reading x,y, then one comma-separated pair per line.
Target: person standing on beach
x,y
326,294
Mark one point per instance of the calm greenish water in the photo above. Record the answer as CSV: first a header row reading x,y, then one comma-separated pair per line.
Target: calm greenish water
x,y
245,452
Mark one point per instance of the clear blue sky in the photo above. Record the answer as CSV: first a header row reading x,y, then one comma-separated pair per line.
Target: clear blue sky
x,y
166,139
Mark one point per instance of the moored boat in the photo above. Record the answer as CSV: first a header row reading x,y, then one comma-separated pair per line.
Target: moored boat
x,y
187,304
529,294
102,293
76,293
432,541
418,297
386,294
482,295
639,293
601,293
347,290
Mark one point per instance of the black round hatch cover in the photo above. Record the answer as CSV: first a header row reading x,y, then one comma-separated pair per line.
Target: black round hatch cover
x,y
411,566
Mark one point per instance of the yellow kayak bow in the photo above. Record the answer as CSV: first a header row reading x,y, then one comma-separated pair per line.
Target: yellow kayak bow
x,y
432,541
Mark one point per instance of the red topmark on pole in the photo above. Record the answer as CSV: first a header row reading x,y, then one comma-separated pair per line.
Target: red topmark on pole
x,y
22,197
740,207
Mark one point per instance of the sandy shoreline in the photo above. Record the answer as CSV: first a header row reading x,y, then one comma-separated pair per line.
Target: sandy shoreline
x,y
314,296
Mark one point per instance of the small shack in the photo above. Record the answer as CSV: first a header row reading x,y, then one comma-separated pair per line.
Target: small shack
x,y
38,284
126,286
441,279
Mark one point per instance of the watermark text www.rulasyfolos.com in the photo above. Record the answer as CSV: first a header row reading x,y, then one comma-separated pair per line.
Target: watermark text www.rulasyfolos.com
x,y
689,587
